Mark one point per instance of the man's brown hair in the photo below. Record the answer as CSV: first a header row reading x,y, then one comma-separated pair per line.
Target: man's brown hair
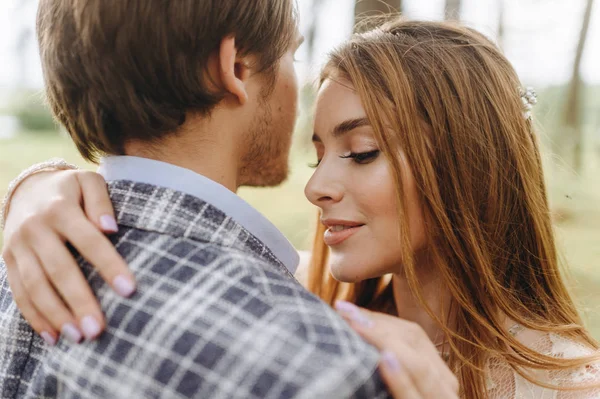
x,y
117,70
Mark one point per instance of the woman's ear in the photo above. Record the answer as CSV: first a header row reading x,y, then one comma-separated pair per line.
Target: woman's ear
x,y
234,70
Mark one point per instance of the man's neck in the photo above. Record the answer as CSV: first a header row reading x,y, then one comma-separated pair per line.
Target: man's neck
x,y
213,156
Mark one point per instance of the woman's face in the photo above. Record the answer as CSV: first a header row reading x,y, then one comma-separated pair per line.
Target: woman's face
x,y
354,187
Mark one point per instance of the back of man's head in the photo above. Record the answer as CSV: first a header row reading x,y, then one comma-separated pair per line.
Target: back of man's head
x,y
119,70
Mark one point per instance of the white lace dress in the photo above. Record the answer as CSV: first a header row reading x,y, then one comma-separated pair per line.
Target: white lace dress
x,y
505,383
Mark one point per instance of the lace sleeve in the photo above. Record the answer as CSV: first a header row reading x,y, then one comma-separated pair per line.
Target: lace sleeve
x,y
582,376
506,383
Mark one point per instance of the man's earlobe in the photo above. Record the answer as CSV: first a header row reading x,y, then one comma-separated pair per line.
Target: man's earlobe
x,y
234,71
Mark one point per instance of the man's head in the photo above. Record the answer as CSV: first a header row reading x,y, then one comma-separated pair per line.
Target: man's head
x,y
122,71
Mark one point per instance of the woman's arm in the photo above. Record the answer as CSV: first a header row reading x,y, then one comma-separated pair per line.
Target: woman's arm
x,y
47,210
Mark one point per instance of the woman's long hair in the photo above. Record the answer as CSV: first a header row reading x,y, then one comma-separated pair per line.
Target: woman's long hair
x,y
447,97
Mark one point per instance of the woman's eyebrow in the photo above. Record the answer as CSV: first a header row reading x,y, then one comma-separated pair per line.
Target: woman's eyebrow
x,y
344,127
349,125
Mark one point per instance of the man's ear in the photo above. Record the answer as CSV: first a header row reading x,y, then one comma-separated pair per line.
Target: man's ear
x,y
233,69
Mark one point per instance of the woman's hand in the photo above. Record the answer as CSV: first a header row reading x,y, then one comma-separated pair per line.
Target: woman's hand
x,y
47,210
410,364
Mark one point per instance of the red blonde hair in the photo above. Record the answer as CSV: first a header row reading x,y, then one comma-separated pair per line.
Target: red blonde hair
x,y
478,171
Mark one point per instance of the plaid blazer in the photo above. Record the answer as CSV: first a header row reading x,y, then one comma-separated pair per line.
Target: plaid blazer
x,y
216,315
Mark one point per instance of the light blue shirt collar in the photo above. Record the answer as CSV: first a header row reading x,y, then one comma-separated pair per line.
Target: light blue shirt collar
x,y
157,173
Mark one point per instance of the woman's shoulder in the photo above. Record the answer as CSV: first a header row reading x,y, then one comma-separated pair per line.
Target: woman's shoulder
x,y
585,374
505,382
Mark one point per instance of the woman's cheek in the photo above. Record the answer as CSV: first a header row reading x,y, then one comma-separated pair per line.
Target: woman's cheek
x,y
380,206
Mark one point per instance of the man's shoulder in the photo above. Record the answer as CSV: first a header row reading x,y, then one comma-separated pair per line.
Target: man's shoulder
x,y
231,243
207,272
148,208
163,256
20,348
232,322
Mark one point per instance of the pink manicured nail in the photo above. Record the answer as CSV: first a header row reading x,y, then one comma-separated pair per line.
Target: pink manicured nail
x,y
390,360
124,286
70,332
353,312
109,224
346,307
50,340
90,327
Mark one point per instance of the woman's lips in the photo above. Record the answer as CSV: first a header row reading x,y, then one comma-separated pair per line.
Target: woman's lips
x,y
332,238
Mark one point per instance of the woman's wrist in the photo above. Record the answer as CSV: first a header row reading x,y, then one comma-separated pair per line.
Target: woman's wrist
x,y
54,164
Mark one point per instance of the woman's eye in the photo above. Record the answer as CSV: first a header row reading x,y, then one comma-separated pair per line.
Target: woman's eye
x,y
362,158
366,157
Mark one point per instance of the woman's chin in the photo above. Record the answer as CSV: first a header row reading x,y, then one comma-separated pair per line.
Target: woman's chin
x,y
356,270
347,274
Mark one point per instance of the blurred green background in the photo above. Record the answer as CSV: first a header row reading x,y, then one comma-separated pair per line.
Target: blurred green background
x,y
568,114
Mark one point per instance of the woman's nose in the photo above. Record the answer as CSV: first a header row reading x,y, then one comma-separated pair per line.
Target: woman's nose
x,y
323,187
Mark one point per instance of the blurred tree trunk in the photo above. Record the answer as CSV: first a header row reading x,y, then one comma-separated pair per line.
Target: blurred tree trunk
x,y
25,38
452,11
311,35
370,8
501,24
573,114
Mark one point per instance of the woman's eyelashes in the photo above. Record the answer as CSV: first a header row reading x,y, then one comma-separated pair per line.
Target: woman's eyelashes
x,y
361,158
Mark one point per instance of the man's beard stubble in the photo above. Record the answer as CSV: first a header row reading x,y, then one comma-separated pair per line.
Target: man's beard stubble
x,y
265,162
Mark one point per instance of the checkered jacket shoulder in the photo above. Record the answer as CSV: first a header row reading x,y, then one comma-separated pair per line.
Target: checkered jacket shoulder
x,y
216,315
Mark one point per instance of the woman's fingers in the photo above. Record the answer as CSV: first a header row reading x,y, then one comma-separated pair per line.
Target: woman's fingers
x,y
67,278
44,298
84,228
46,211
387,326
37,321
98,250
383,330
425,372
96,201
59,209
403,383
410,360
399,383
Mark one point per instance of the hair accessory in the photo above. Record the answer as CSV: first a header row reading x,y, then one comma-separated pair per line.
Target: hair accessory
x,y
515,330
529,99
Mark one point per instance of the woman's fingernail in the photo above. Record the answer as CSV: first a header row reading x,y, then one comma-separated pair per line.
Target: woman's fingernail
x,y
353,312
50,340
346,307
109,224
91,328
124,286
390,360
70,332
